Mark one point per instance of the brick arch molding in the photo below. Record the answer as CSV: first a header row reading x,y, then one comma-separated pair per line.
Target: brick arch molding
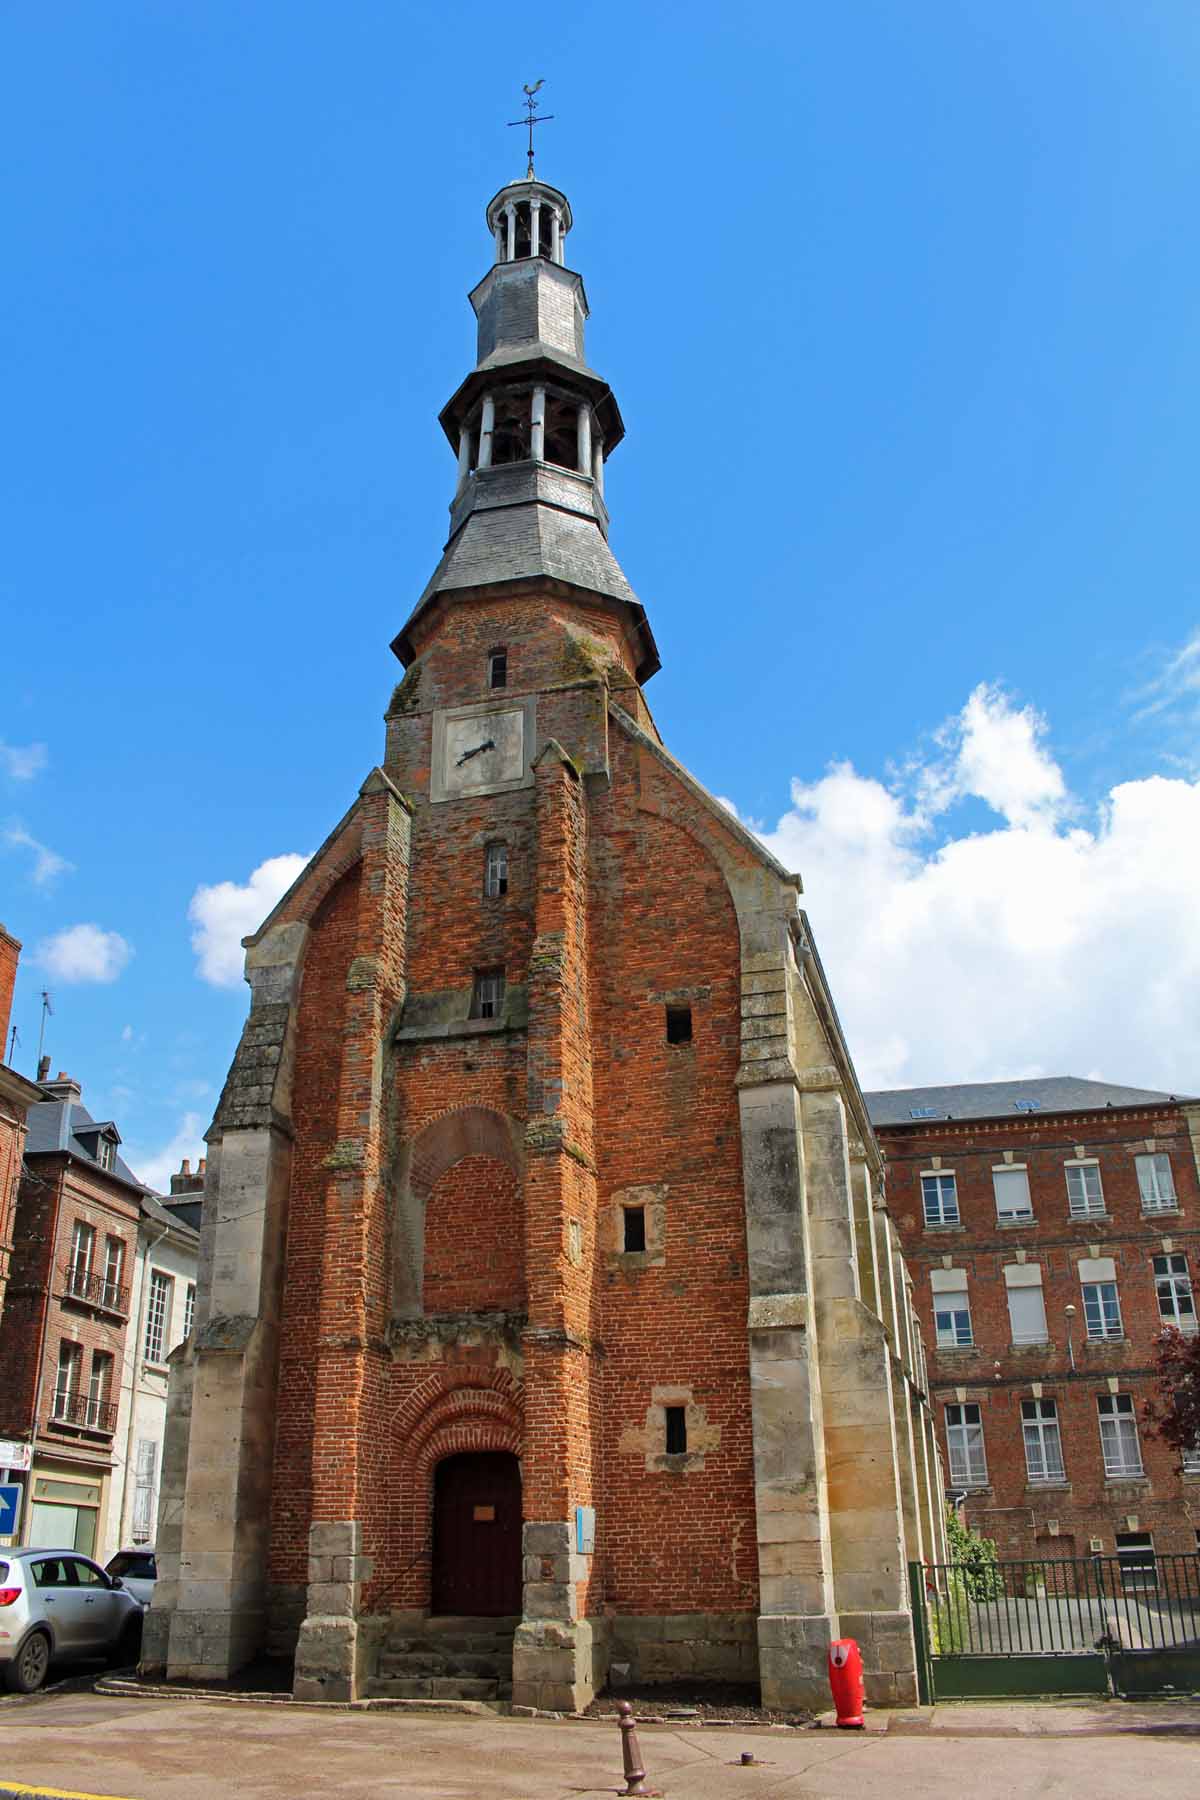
x,y
443,1141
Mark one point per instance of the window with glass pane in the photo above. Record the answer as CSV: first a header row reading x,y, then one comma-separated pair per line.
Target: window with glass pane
x,y
66,1385
189,1308
99,1388
1027,1315
83,1246
964,1440
158,1311
1043,1442
952,1317
1135,1554
1156,1184
1173,1284
495,871
1102,1309
1085,1195
940,1195
1118,1435
1191,1466
487,1002
114,1268
1012,1194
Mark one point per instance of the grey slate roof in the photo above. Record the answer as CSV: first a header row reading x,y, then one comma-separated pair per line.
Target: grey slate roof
x,y
516,542
998,1099
158,1214
56,1125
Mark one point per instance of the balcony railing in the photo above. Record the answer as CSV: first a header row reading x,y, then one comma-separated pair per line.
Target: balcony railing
x,y
95,1290
82,1410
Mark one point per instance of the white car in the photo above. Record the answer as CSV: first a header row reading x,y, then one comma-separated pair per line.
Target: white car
x,y
56,1605
138,1571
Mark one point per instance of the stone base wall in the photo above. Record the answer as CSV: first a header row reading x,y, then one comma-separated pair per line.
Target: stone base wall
x,y
560,1665
889,1655
645,1649
287,1603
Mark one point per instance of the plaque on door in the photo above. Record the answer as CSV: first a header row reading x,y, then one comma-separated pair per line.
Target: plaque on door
x,y
484,1514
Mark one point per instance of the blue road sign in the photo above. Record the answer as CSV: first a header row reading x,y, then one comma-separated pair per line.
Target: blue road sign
x,y
10,1508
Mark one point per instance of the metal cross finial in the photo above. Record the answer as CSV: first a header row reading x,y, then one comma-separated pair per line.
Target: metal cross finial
x,y
532,118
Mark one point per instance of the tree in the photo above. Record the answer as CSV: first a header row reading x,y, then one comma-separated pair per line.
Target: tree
x,y
1173,1412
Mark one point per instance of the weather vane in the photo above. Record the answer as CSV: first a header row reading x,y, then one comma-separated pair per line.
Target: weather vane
x,y
533,117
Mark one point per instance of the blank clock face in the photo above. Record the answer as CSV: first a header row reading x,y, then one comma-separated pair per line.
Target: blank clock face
x,y
475,752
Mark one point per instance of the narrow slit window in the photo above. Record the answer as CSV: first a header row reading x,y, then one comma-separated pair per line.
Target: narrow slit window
x,y
634,1228
679,1024
676,1430
498,667
495,871
488,999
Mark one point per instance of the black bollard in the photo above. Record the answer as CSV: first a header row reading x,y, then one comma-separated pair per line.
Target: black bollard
x,y
631,1754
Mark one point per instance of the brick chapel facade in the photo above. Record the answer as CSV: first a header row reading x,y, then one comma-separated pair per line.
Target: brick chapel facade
x,y
544,1273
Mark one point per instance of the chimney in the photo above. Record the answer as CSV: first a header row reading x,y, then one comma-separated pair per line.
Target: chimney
x,y
188,1181
10,951
43,1073
63,1087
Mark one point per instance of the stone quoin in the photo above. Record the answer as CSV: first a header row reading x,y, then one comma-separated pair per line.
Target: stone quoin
x,y
545,1276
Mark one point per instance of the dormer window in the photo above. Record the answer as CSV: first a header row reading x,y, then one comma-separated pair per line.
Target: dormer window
x,y
106,1153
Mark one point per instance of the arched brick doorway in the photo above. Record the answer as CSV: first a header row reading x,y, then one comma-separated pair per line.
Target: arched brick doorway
x,y
477,1534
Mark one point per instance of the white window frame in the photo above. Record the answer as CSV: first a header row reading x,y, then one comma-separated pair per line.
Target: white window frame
x,y
69,1376
489,995
158,1316
1042,1437
100,1380
1191,1466
189,1308
1005,1215
1027,1334
1136,1561
1102,1305
1116,1411
1085,1189
83,1237
954,1307
945,1208
964,1442
1173,1284
1156,1182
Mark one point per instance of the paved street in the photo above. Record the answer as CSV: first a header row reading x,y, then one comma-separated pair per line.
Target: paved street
x,y
135,1749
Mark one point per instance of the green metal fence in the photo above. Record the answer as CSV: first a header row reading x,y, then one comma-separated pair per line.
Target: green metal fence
x,y
1129,1624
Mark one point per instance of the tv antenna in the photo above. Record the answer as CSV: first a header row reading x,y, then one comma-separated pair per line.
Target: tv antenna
x,y
47,1013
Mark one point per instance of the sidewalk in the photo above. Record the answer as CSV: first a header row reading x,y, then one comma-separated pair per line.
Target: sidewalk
x,y
174,1749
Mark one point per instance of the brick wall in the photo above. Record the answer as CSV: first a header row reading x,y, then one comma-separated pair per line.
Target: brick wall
x,y
475,1239
997,1375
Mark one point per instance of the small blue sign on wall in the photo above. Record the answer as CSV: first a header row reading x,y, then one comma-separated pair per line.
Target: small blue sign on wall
x,y
585,1530
10,1508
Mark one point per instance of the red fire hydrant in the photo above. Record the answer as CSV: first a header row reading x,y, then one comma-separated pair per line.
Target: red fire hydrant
x,y
846,1683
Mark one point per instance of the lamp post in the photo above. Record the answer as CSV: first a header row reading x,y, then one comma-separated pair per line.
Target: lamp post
x,y
1070,1313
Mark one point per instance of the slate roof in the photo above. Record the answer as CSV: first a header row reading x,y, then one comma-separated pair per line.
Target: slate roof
x,y
56,1125
158,1214
999,1099
517,542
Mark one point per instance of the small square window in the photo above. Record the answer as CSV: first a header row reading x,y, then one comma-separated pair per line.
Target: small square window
x,y
488,999
633,1228
498,667
676,1430
679,1024
495,871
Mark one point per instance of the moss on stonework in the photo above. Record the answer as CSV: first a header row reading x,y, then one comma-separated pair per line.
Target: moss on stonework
x,y
584,656
407,693
348,1153
361,974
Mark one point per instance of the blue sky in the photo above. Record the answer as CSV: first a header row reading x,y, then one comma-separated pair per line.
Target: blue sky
x,y
898,302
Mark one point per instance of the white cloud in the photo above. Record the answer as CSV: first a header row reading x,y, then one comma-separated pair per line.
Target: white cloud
x,y
21,762
1055,942
154,1167
47,864
127,1034
83,953
227,912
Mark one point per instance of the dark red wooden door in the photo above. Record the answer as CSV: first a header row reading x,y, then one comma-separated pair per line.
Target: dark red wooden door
x,y
477,1535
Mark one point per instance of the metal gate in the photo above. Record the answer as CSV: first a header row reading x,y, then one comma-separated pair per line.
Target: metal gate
x,y
1098,1625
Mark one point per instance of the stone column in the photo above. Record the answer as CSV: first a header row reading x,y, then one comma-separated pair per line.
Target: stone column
x,y
510,215
598,463
555,235
583,435
537,425
487,425
535,226
464,457
499,233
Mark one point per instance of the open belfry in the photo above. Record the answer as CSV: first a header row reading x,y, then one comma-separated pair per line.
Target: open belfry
x,y
551,1327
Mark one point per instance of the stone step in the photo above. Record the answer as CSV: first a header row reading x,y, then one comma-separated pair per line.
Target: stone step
x,y
421,1663
410,1645
381,1687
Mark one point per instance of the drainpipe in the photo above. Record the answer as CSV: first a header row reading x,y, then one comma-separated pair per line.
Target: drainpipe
x,y
133,1379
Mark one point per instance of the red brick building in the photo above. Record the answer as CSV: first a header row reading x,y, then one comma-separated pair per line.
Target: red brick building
x,y
16,1097
542,1277
63,1332
1052,1228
